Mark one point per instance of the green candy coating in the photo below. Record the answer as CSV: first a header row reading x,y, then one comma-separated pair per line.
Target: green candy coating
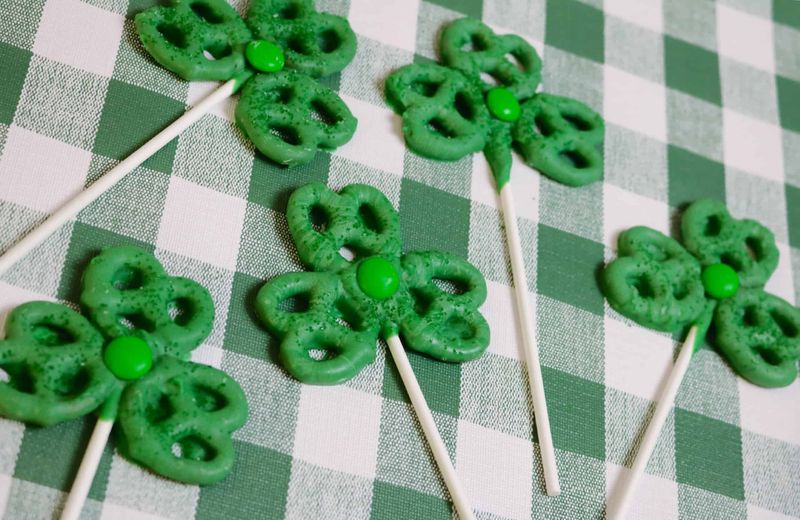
x,y
142,327
128,357
264,56
661,284
378,278
502,104
446,117
720,281
328,321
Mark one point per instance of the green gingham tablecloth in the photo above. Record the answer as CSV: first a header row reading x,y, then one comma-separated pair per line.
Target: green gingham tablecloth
x,y
700,99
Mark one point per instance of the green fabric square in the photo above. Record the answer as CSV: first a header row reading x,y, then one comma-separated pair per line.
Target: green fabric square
x,y
693,177
575,27
567,266
439,382
256,488
85,243
786,12
271,184
433,219
131,116
20,19
577,413
692,69
793,217
389,500
243,334
708,454
789,103
473,8
13,68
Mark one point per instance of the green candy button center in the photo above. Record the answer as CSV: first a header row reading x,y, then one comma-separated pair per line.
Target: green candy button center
x,y
378,278
265,56
128,357
502,104
720,281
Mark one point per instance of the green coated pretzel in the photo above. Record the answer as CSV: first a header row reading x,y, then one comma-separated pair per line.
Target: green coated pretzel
x,y
451,112
276,55
142,325
289,117
329,320
664,285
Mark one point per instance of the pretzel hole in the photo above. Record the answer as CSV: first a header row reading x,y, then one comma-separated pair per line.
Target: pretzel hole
x,y
328,41
289,12
319,218
207,399
369,218
577,122
299,302
51,335
576,159
285,133
194,448
476,43
644,286
18,376
73,384
127,278
680,290
206,13
750,316
755,248
449,286
298,45
137,320
516,61
321,354
543,125
770,357
464,107
217,51
713,226
181,311
459,329
321,113
784,322
437,126
422,301
731,260
172,34
347,317
159,410
491,78
425,88
348,253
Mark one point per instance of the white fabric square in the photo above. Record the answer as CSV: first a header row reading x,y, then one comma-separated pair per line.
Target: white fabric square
x,y
645,13
496,470
201,223
752,145
638,359
757,513
781,283
378,141
5,489
199,90
764,410
635,103
746,38
500,311
524,183
393,22
655,497
13,297
625,209
112,511
39,172
80,35
349,422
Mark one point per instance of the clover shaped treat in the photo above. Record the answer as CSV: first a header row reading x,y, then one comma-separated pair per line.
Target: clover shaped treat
x,y
128,361
721,268
277,53
450,112
329,320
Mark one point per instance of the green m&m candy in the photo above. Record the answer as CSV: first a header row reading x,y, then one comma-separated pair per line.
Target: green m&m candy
x,y
720,281
265,56
128,357
502,104
378,278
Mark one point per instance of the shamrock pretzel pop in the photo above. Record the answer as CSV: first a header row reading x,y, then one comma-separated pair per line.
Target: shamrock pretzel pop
x,y
127,360
343,306
715,277
274,56
449,112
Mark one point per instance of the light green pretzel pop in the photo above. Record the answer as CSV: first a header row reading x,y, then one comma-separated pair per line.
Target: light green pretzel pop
x,y
715,278
276,54
329,320
450,111
130,361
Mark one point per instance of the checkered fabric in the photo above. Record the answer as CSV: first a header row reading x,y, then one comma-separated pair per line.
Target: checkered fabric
x,y
700,99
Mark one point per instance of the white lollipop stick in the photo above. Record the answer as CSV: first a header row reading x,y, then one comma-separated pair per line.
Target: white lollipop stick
x,y
73,207
529,343
85,477
619,508
429,429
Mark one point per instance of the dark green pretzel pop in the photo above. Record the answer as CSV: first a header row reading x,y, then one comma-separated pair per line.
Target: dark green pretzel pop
x,y
328,321
128,361
715,277
276,54
450,111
